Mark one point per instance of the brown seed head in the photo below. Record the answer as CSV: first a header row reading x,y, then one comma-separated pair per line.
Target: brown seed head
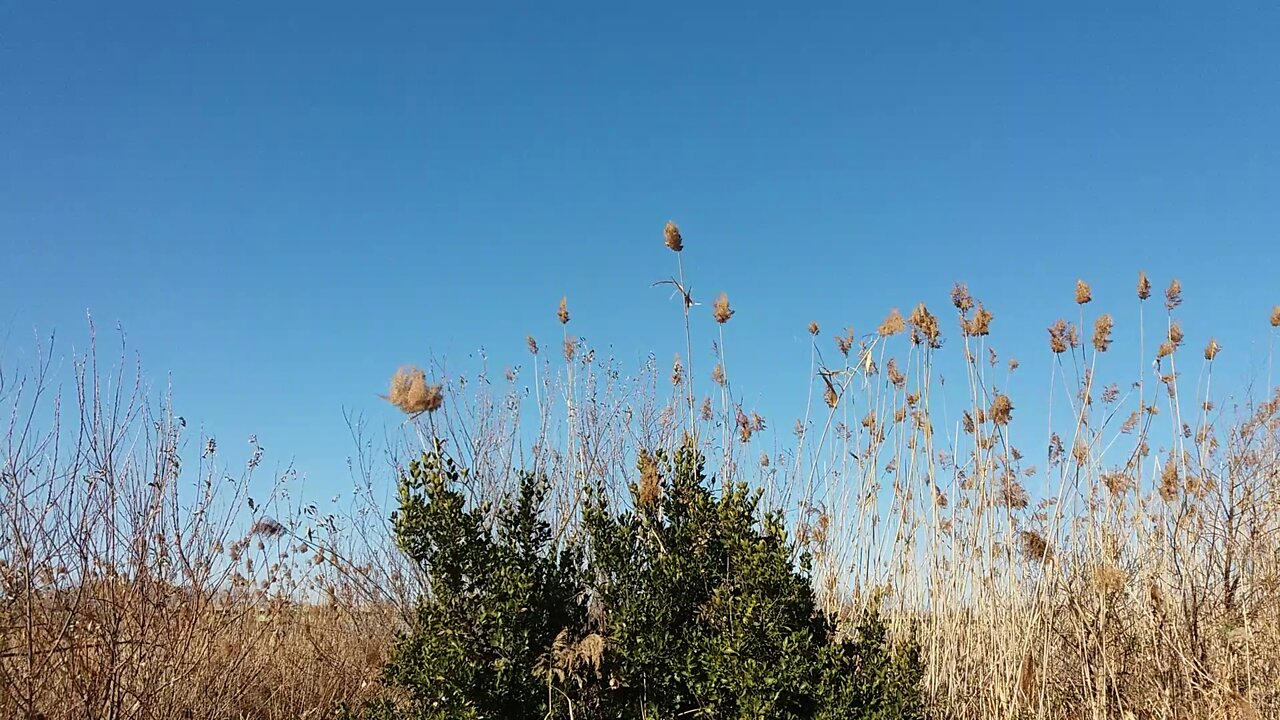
x,y
721,309
892,325
1034,546
961,298
924,327
1108,579
813,328
845,342
1080,451
1013,364
706,408
1001,411
1058,337
1110,393
1169,480
1083,293
1175,334
1012,494
744,426
533,345
979,324
1144,286
896,378
677,371
717,374
1118,483
830,397
1212,349
1173,295
563,312
1102,333
1275,316
412,394
672,236
570,347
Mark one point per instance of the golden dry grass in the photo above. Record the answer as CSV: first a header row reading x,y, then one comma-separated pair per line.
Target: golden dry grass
x,y
1121,563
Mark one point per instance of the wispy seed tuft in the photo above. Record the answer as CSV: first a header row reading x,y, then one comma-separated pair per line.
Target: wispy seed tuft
x,y
1173,295
671,234
961,298
563,312
924,327
1102,333
845,342
412,394
1083,293
1001,411
1212,349
1144,286
892,325
721,309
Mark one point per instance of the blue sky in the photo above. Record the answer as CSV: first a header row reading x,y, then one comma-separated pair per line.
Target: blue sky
x,y
281,204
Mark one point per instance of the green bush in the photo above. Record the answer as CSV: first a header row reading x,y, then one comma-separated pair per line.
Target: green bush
x,y
688,605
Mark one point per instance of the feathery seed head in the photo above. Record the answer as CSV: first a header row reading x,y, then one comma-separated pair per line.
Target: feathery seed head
x,y
1058,337
845,342
892,325
533,345
1102,333
745,428
1173,295
1275,316
980,324
1118,483
412,394
671,234
1144,286
924,327
961,298
1083,293
721,309
563,311
1169,479
1001,410
896,378
1212,349
1034,546
813,328
1012,494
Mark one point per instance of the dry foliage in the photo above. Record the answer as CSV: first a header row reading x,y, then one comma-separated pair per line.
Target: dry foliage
x,y
1120,564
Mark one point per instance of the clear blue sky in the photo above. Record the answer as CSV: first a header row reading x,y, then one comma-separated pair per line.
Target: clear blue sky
x,y
282,204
